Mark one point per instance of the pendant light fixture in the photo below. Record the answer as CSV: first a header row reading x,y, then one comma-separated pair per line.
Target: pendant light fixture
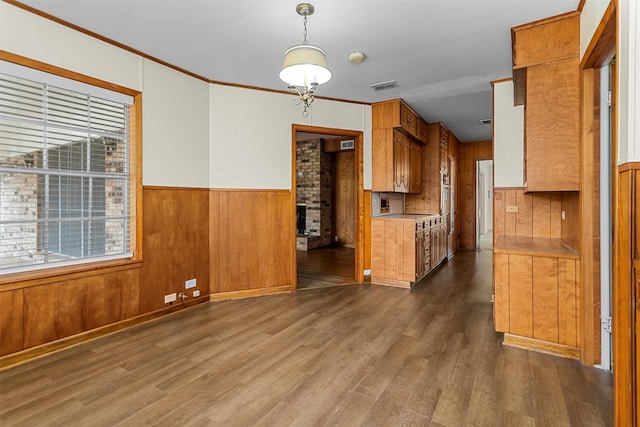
x,y
304,66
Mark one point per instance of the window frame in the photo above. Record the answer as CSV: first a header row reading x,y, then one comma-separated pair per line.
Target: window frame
x,y
135,178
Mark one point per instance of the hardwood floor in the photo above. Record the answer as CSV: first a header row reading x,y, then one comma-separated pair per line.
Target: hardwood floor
x,y
325,267
346,355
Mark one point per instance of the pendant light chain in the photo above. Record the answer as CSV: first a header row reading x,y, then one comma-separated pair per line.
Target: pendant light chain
x,y
305,30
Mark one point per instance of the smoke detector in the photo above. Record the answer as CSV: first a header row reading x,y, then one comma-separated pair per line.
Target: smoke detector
x,y
356,57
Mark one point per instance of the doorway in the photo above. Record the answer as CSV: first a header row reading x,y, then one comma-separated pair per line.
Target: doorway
x,y
327,180
484,204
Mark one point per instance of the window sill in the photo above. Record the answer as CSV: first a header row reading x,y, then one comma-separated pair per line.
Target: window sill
x,y
58,274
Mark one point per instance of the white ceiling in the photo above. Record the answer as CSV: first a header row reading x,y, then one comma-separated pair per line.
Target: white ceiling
x,y
443,53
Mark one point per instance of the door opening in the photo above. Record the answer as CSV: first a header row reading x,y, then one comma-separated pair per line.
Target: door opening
x,y
327,183
484,205
606,221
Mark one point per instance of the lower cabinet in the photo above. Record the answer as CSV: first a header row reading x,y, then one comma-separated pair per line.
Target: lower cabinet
x,y
405,248
536,294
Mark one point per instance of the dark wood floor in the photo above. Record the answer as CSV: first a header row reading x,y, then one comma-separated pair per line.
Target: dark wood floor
x,y
345,355
325,267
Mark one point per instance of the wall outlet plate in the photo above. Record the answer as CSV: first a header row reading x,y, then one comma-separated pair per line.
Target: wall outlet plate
x,y
191,283
170,298
196,294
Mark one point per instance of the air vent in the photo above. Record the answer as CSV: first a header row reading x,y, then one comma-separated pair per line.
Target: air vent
x,y
347,145
485,121
384,85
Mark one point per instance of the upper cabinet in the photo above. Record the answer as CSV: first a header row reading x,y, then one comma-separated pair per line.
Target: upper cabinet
x,y
397,114
546,72
397,150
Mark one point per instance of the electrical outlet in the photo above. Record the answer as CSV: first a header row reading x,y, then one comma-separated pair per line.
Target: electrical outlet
x,y
367,272
196,294
191,283
168,299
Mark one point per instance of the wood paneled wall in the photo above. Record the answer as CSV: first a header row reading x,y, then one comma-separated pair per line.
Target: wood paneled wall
x,y
626,296
469,153
175,243
517,213
44,308
344,197
251,242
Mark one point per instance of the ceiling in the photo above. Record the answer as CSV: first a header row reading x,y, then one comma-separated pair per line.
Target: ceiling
x,y
442,53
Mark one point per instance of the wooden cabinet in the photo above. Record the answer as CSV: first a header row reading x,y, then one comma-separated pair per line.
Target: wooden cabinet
x,y
397,138
396,161
537,294
546,71
397,114
405,248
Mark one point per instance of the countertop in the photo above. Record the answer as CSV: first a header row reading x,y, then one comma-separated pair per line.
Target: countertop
x,y
411,216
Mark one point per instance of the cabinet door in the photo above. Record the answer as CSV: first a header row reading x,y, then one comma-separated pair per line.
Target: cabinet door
x,y
552,126
419,254
415,172
408,119
401,162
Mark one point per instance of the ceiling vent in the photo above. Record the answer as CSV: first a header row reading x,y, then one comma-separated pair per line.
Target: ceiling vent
x,y
384,85
347,145
485,121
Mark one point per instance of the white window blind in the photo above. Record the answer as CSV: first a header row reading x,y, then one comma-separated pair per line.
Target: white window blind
x,y
64,176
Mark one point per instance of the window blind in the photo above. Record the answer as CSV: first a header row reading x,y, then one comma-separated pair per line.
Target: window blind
x,y
64,176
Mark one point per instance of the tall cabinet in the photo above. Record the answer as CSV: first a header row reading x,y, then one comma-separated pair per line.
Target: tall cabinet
x,y
537,269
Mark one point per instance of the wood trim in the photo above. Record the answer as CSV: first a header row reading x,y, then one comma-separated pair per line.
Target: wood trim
x,y
63,72
136,175
506,79
249,293
541,346
546,20
15,359
511,188
153,58
602,47
590,213
166,188
256,190
100,37
360,204
581,5
42,277
390,282
625,167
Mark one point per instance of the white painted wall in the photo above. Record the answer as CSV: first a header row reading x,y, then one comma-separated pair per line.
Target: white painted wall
x,y
590,17
251,135
175,122
34,37
628,82
508,137
195,134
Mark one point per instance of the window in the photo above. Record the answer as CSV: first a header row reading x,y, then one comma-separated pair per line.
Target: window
x,y
65,182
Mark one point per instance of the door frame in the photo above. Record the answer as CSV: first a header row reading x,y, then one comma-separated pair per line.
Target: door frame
x,y
359,185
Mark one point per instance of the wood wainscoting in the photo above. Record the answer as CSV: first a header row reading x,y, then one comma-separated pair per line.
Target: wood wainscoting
x,y
251,241
40,312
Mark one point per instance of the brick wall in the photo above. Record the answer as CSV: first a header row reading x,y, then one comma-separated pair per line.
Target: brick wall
x,y
313,188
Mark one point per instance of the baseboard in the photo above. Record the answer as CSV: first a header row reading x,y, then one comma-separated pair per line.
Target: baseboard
x,y
541,346
390,282
18,358
249,293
